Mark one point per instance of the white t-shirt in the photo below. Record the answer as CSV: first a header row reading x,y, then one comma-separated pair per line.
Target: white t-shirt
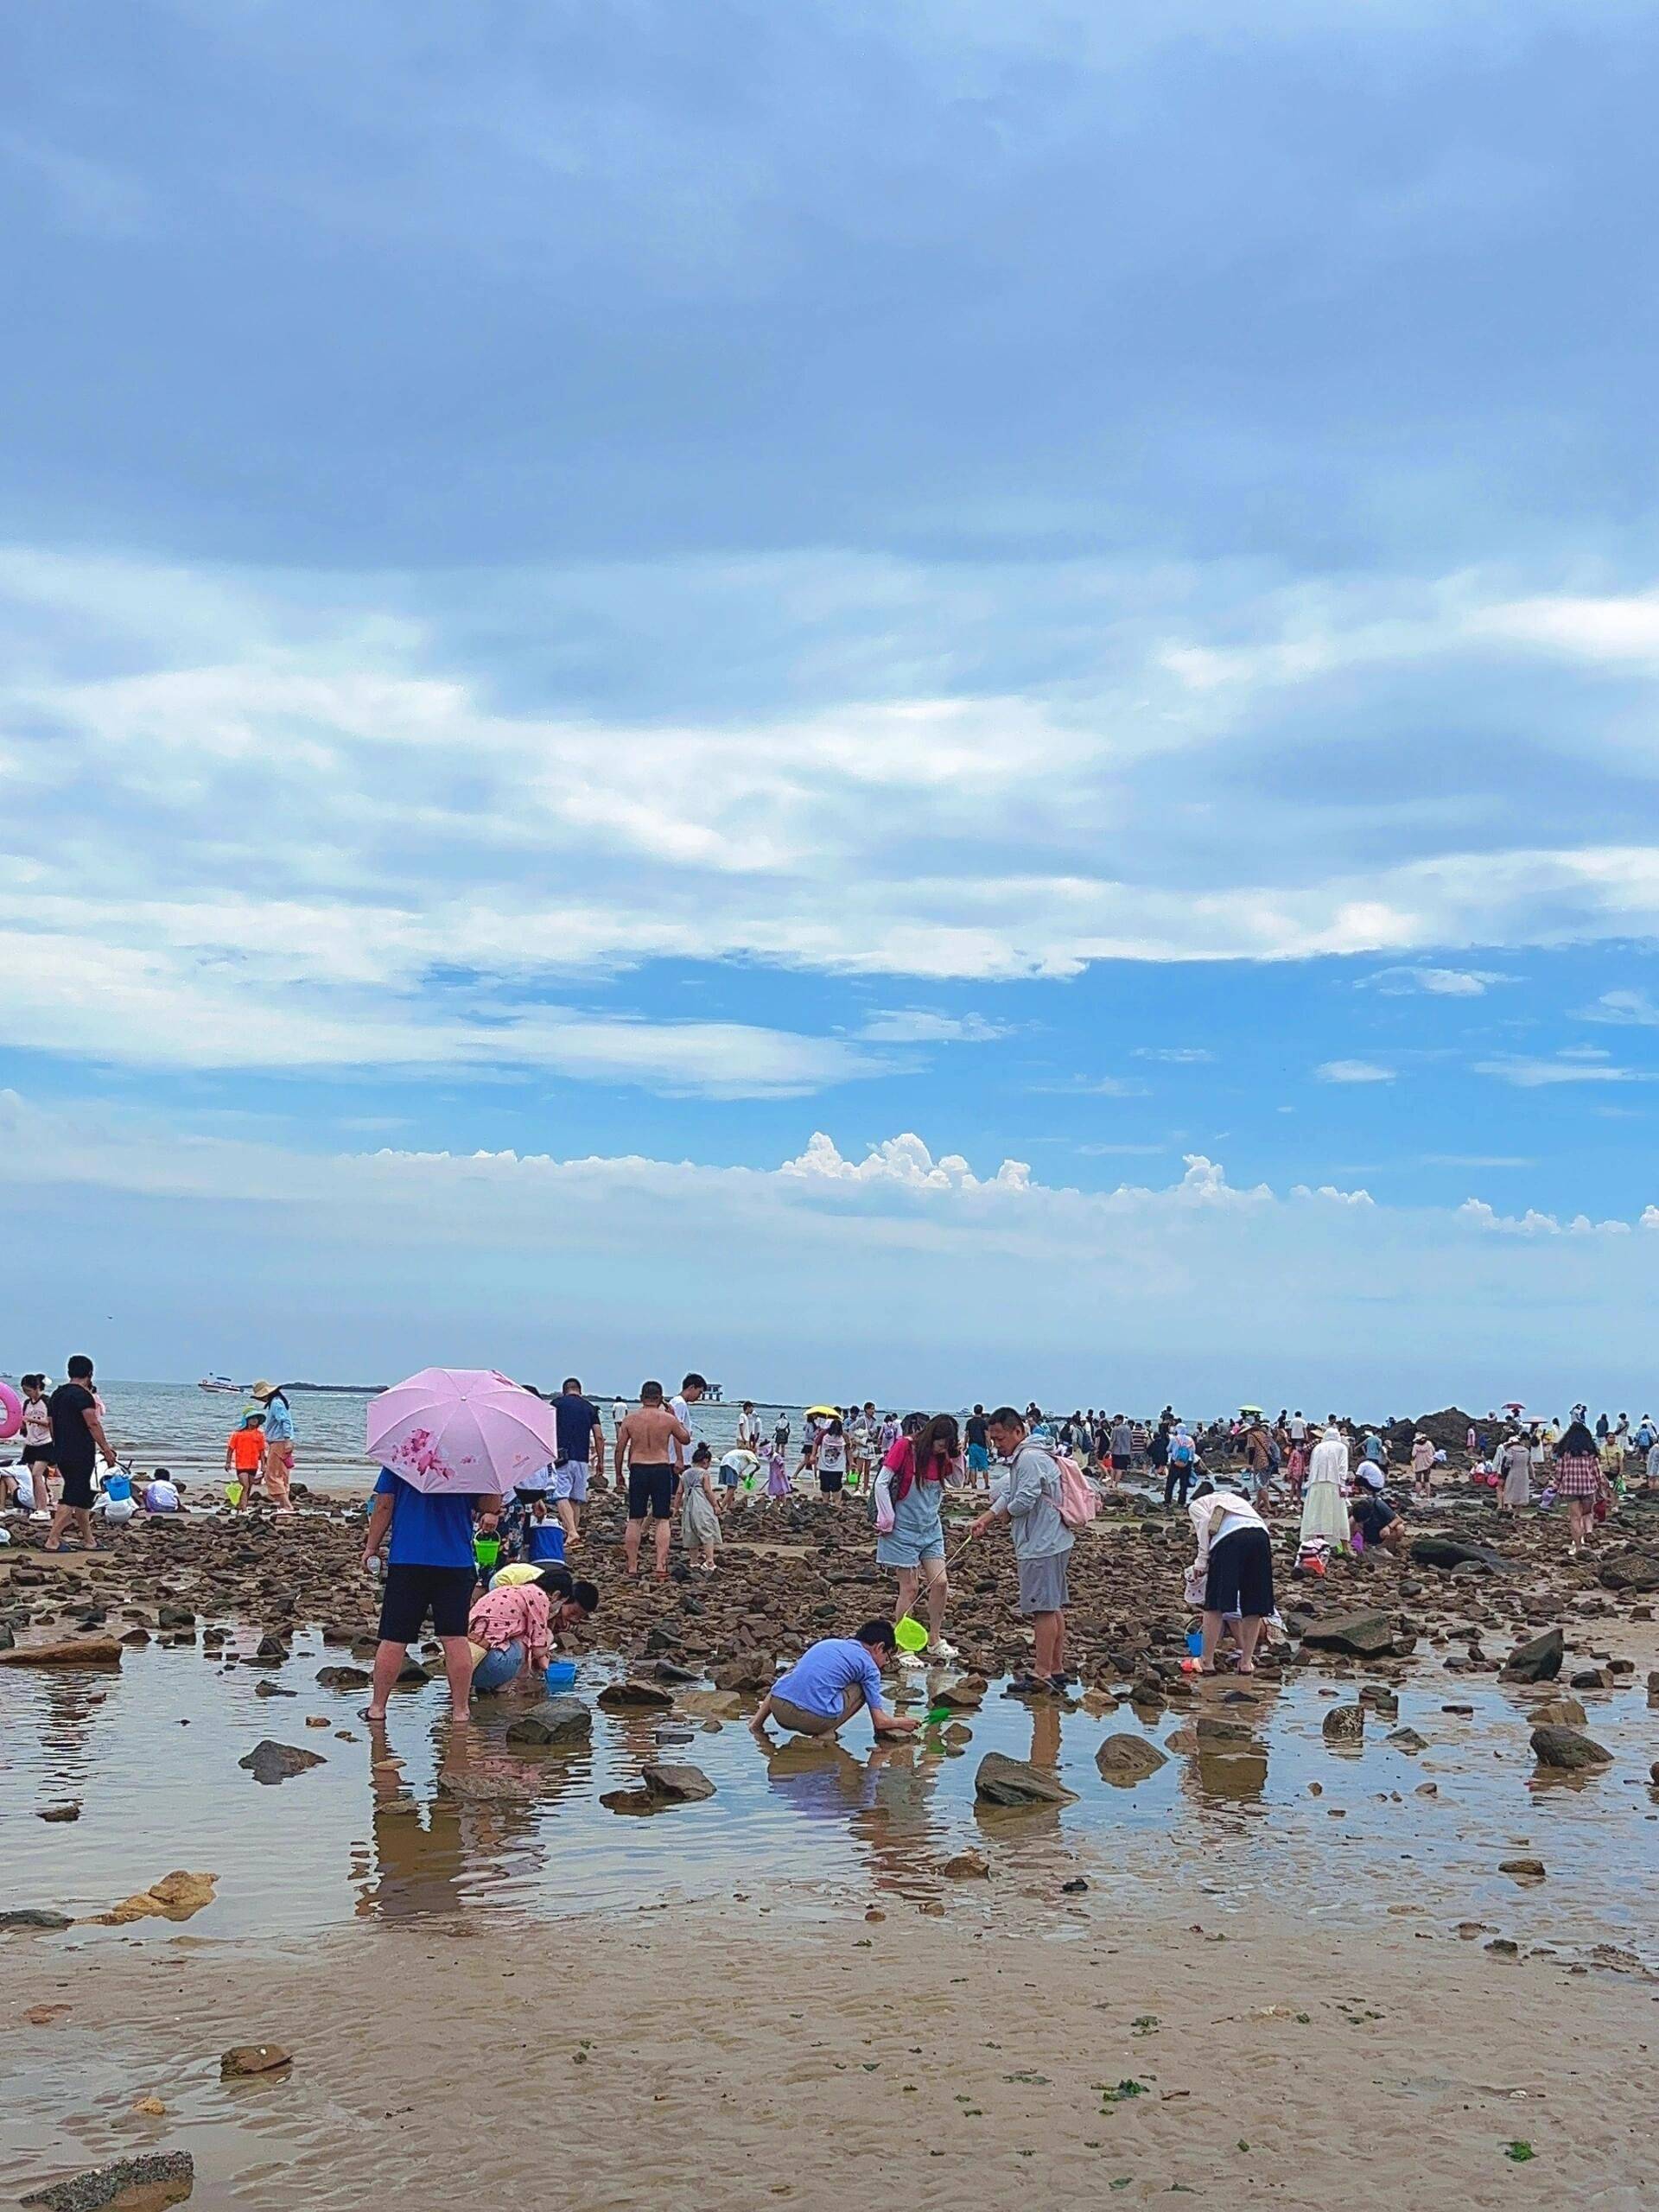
x,y
1298,1429
682,1412
162,1497
832,1454
748,1431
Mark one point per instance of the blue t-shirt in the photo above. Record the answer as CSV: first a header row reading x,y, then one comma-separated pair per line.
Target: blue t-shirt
x,y
576,1419
427,1530
819,1679
279,1423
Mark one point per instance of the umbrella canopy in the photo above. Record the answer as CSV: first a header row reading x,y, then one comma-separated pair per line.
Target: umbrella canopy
x,y
825,1412
463,1429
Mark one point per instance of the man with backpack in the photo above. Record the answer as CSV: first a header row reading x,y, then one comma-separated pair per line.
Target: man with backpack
x,y
1030,1506
1181,1464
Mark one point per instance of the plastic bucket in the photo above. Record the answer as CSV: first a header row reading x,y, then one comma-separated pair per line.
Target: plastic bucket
x,y
561,1672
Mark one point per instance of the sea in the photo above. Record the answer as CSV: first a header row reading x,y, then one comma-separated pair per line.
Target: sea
x,y
184,1428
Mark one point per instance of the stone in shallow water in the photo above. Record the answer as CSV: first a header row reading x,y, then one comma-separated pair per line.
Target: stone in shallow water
x,y
1003,1780
1126,1759
143,2184
270,1761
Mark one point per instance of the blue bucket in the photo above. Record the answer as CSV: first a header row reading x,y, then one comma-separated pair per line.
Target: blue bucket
x,y
561,1672
1195,1642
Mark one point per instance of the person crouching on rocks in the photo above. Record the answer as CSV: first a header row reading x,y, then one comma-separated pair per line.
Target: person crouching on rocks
x,y
1374,1514
831,1681
1234,1565
514,1626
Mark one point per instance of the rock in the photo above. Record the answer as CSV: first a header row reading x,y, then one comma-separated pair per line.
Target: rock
x,y
749,1675
317,1720
244,2060
87,1651
141,2184
1629,1570
1567,1750
343,1678
1345,1724
1559,1713
68,1812
485,1788
1075,1886
965,1694
676,1784
661,1639
967,1866
1212,1733
555,1720
1590,1678
1125,1759
176,1616
634,1697
1406,1740
272,1762
1447,1552
273,1689
1002,1780
665,1670
1538,1660
1527,1870
178,1896
22,1917
271,1647
1382,1703
1366,1633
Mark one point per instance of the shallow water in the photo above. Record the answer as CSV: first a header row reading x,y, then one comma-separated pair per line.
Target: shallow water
x,y
151,1754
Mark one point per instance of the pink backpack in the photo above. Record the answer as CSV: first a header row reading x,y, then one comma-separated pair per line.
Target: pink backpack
x,y
1080,1502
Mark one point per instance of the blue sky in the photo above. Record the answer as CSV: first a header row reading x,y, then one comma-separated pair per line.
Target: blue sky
x,y
675,597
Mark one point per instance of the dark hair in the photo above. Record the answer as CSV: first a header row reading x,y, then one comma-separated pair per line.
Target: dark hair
x,y
938,1439
1004,1417
571,1383
80,1368
585,1594
701,1456
32,1382
694,1382
1577,1439
1205,1489
651,1394
878,1632
555,1579
833,1427
161,1475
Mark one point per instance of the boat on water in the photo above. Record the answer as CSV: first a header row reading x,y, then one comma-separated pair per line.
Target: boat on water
x,y
220,1384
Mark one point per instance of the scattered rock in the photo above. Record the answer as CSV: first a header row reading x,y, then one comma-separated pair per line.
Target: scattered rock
x,y
1345,1724
485,1788
244,2060
343,1678
1566,1749
272,1762
710,1705
68,1812
1003,1780
634,1697
1559,1713
273,1689
1406,1740
555,1720
676,1784
87,1651
967,1866
1365,1634
178,1896
1537,1660
1125,1759
24,1917
1526,1870
141,2184
965,1694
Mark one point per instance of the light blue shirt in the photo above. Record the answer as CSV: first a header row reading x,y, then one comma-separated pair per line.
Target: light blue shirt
x,y
279,1423
819,1679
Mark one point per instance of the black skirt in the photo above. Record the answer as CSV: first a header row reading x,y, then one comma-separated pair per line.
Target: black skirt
x,y
1241,1574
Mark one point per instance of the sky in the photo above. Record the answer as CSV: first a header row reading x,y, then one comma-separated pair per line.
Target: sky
x,y
921,701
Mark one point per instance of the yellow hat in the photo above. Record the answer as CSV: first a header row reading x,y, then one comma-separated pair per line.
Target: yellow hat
x,y
263,1389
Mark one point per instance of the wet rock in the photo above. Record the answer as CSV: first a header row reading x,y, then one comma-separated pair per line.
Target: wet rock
x,y
178,1896
1365,1634
555,1720
1075,1886
1125,1759
965,1694
1566,1749
1537,1660
270,1762
273,1689
967,1866
272,1650
141,2184
176,1616
1382,1703
1559,1713
666,1671
246,2060
1590,1678
710,1705
1345,1724
633,1696
1002,1780
1526,1870
485,1788
1212,1733
676,1784
1447,1552
411,1675
1629,1570
69,1811
1406,1740
22,1918
84,1651
746,1674
343,1678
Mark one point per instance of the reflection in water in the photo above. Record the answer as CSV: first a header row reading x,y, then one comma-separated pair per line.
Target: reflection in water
x,y
72,1700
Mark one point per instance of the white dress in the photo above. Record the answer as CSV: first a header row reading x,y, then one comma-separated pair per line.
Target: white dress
x,y
1324,1511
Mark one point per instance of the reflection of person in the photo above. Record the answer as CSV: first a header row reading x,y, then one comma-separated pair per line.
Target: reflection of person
x,y
1042,1542
831,1681
78,1438
430,1568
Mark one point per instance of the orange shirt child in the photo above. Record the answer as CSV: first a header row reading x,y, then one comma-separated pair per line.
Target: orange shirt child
x,y
247,1449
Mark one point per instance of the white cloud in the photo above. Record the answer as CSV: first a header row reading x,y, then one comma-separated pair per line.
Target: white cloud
x,y
1635,1008
1529,1072
1439,983
916,1026
1533,1224
1353,1071
1175,1055
1619,630
1329,1190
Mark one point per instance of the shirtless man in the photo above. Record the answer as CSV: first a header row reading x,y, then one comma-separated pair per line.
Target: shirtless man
x,y
645,1456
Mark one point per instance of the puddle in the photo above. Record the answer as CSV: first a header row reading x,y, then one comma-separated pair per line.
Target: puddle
x,y
152,1755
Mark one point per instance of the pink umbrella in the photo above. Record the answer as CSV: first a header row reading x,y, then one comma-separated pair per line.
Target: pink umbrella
x,y
466,1429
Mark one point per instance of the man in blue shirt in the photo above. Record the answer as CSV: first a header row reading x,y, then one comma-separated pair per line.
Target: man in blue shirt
x,y
582,1451
829,1682
430,1568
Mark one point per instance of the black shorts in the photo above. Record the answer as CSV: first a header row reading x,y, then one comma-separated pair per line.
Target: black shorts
x,y
78,1487
830,1481
650,1489
413,1592
1120,1462
1241,1574
35,1455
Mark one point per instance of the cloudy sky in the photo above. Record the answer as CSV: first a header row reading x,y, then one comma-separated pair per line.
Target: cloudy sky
x,y
924,699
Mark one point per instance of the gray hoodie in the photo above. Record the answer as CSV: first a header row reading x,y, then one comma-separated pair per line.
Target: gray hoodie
x,y
1032,1502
